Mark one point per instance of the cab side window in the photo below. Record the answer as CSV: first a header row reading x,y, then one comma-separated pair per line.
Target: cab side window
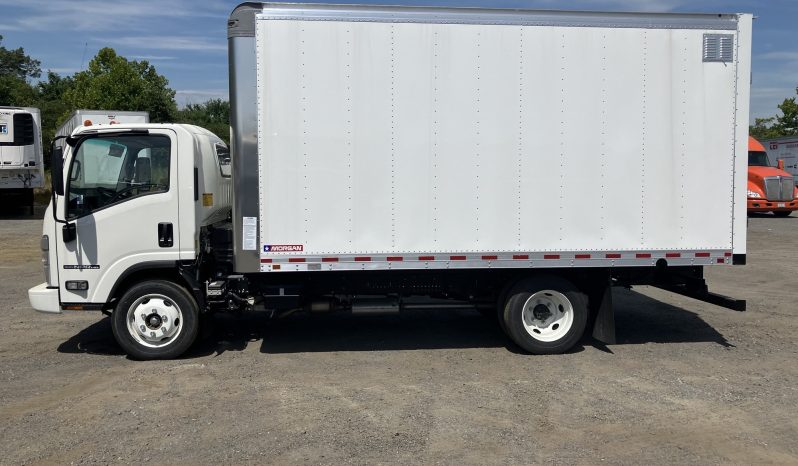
x,y
109,170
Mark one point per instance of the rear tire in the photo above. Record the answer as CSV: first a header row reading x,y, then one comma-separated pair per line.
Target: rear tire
x,y
782,213
155,320
545,315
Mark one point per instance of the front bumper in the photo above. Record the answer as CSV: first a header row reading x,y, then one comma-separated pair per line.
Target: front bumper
x,y
763,205
44,299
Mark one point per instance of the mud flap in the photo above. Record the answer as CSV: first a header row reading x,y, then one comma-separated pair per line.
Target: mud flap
x,y
603,315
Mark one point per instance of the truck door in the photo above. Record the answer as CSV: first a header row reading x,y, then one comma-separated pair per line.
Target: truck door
x,y
121,205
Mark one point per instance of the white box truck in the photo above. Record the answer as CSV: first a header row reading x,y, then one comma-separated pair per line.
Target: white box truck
x,y
520,162
783,152
21,156
80,118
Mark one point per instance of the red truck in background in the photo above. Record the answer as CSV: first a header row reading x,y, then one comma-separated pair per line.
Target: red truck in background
x,y
770,189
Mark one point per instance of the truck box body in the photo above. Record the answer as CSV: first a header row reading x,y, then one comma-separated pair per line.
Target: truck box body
x,y
426,138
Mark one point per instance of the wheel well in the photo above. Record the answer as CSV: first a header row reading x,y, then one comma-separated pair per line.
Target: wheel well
x,y
142,274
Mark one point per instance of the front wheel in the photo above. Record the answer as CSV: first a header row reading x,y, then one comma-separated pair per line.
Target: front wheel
x,y
545,315
155,320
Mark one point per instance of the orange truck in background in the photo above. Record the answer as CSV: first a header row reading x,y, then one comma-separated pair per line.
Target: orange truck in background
x,y
770,189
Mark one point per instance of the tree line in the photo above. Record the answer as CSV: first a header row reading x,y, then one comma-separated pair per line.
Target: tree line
x,y
110,82
778,126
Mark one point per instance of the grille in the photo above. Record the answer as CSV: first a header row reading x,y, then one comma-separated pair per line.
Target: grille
x,y
779,188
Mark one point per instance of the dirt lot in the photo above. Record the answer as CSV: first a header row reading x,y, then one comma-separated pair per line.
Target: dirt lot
x,y
687,383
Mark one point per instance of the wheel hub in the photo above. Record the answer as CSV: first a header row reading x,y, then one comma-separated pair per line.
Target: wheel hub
x,y
541,312
154,320
548,315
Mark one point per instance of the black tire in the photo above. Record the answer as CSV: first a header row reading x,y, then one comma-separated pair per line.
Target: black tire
x,y
166,298
564,291
782,213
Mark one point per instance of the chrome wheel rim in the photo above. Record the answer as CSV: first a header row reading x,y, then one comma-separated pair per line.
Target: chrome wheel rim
x,y
154,320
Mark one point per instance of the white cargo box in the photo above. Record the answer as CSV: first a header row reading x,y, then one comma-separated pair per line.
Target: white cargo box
x,y
785,149
406,138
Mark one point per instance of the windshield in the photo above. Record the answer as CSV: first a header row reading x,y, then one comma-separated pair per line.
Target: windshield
x,y
758,159
113,169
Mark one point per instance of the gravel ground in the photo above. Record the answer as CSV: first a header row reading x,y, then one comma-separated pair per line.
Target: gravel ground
x,y
688,382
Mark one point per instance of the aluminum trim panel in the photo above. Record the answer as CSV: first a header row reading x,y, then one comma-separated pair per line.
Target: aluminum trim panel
x,y
244,145
505,260
506,17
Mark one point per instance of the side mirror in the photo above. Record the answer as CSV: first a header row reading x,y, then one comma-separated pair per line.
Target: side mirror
x,y
57,167
780,164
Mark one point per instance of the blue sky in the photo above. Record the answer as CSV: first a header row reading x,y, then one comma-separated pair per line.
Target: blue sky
x,y
186,40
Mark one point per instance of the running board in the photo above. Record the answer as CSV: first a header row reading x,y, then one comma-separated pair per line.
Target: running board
x,y
702,293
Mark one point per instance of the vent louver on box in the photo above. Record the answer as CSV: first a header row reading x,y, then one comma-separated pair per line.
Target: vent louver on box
x,y
718,47
24,132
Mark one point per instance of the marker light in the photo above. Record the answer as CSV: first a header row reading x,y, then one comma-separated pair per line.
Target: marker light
x,y
81,285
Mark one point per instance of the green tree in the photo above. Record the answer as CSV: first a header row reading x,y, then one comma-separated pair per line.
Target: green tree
x,y
16,68
53,106
213,115
112,82
778,126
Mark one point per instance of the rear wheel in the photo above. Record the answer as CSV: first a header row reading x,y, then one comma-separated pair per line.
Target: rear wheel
x,y
155,320
545,315
782,213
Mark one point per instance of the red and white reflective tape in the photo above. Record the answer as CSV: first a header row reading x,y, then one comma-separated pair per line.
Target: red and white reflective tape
x,y
494,260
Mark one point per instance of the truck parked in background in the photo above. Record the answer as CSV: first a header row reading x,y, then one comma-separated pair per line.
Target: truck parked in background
x,y
97,118
785,149
21,156
770,188
381,156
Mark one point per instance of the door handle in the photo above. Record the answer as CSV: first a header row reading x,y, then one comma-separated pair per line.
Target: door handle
x,y
165,235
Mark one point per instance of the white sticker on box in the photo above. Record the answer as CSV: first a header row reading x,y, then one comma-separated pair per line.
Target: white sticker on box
x,y
250,242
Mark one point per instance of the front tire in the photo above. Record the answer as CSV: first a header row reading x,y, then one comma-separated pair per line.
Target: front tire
x,y
155,320
545,315
782,213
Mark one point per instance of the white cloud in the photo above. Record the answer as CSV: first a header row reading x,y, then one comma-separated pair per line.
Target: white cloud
x,y
783,56
101,15
150,57
166,43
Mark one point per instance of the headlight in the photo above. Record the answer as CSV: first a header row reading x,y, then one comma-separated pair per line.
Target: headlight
x,y
754,195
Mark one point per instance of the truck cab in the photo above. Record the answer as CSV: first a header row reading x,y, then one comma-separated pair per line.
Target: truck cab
x,y
770,189
130,202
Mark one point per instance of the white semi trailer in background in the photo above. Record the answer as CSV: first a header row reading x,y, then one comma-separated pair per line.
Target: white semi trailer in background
x,y
520,162
783,152
21,156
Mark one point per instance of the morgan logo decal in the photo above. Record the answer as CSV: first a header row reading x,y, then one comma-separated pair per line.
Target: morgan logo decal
x,y
283,248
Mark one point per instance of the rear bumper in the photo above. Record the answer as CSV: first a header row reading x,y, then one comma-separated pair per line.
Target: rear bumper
x,y
44,299
763,205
